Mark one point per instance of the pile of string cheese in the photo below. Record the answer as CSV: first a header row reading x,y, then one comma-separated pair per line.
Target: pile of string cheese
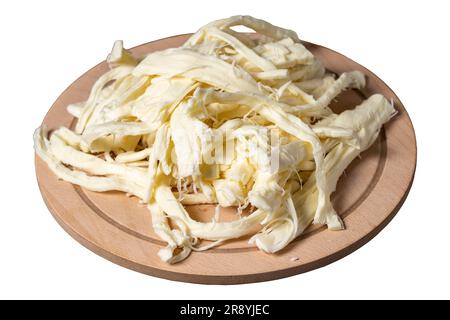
x,y
158,128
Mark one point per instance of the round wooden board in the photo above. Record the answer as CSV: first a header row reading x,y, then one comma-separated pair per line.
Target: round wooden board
x,y
119,229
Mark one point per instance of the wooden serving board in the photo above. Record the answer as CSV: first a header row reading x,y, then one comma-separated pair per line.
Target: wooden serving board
x,y
119,229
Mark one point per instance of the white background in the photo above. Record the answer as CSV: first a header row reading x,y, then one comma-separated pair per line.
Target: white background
x,y
45,45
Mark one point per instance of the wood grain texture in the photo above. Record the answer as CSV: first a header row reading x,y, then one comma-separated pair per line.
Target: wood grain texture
x,y
119,229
